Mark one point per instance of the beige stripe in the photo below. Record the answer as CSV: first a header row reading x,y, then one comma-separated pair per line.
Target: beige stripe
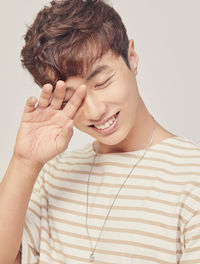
x,y
30,236
194,249
122,197
188,141
149,168
36,191
182,205
192,239
192,196
197,261
192,227
47,253
129,197
122,208
114,163
182,155
116,230
137,220
34,212
120,175
105,252
87,151
36,203
71,156
182,139
73,257
181,147
146,234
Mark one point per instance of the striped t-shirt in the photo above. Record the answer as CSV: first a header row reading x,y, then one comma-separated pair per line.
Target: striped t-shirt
x,y
155,219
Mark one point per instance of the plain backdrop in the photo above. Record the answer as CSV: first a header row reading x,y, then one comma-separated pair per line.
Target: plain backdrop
x,y
167,40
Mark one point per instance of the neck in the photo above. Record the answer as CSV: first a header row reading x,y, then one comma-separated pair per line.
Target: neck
x,y
139,136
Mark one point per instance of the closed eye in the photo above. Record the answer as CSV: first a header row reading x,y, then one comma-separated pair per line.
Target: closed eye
x,y
102,84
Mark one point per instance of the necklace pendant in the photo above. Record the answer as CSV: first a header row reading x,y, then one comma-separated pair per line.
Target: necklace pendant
x,y
92,257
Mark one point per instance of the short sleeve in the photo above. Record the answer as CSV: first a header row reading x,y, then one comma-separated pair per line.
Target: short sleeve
x,y
191,247
30,246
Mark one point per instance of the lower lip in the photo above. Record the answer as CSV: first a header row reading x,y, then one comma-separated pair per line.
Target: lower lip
x,y
108,130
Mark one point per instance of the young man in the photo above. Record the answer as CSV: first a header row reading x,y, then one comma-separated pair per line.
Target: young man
x,y
132,195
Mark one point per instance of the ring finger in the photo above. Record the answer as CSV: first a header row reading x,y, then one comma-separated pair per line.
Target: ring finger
x,y
45,96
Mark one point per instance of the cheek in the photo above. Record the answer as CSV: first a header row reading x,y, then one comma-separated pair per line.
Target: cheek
x,y
123,93
124,88
76,120
114,94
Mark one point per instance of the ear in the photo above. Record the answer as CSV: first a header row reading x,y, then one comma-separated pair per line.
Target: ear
x,y
133,57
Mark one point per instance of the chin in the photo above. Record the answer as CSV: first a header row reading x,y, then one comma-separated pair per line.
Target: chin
x,y
114,139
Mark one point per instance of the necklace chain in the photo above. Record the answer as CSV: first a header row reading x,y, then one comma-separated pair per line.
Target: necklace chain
x,y
92,259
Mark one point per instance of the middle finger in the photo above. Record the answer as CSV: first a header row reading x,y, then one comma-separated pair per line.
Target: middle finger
x,y
58,95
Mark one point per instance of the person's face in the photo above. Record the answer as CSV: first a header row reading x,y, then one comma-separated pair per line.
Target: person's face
x,y
111,89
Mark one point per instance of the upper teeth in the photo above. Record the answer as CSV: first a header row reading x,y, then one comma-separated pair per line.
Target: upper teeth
x,y
107,124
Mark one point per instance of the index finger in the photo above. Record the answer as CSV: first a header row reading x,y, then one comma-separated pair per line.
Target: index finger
x,y
75,101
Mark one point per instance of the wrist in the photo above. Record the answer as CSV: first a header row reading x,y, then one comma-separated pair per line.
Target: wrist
x,y
21,174
26,164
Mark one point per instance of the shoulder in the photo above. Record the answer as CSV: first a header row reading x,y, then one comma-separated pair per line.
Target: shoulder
x,y
183,155
179,158
181,147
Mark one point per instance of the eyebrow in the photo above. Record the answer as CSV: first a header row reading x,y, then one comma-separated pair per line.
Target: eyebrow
x,y
98,70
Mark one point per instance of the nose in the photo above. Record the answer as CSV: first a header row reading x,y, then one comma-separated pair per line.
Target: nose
x,y
94,108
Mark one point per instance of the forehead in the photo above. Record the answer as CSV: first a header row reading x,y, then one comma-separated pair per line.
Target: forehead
x,y
101,65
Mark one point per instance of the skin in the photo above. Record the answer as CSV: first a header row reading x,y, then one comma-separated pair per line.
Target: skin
x,y
119,93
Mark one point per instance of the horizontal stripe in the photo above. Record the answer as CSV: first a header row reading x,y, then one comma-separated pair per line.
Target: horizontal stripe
x,y
149,168
103,252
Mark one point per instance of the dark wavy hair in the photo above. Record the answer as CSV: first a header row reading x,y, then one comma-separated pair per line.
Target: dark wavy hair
x,y
67,37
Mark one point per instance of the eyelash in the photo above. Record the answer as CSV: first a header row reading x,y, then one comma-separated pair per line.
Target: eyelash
x,y
103,83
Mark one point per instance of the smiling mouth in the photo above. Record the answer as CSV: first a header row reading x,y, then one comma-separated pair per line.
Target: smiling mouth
x,y
114,116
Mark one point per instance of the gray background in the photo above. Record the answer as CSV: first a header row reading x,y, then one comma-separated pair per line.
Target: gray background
x,y
167,40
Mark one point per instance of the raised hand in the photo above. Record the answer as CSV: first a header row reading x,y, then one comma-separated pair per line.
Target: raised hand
x,y
46,129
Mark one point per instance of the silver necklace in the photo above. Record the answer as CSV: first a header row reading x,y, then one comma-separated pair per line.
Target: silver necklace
x,y
92,259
